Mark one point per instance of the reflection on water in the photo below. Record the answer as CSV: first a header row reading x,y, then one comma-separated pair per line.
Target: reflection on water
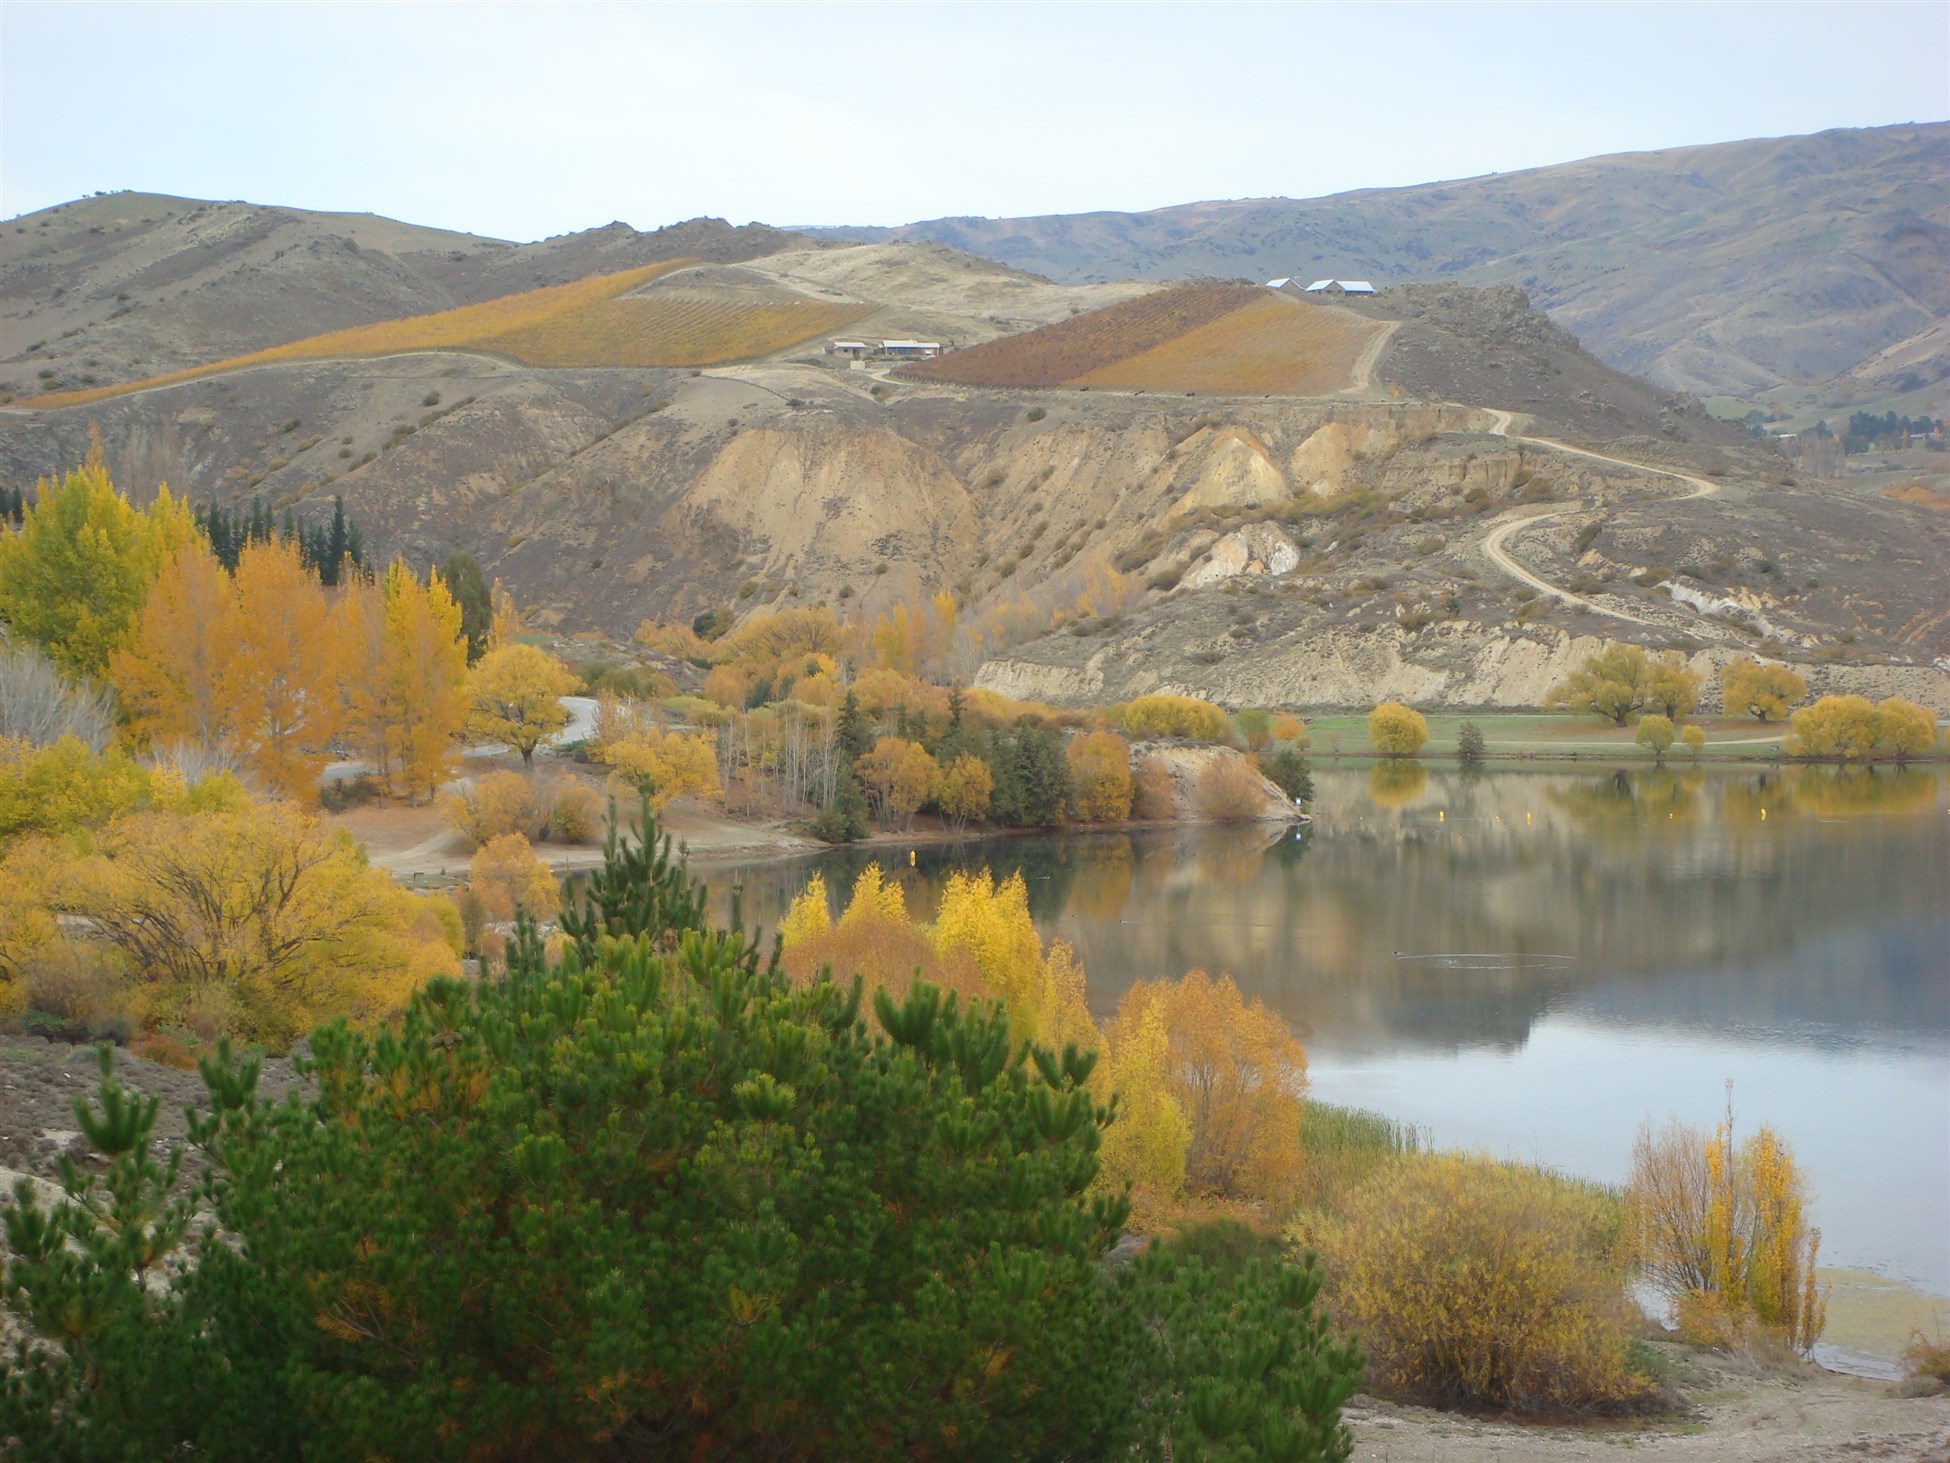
x,y
1534,962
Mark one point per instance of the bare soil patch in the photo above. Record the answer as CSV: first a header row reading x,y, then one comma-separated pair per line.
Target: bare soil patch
x,y
1733,1413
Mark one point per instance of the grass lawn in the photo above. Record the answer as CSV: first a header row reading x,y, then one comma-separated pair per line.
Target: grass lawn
x,y
1530,733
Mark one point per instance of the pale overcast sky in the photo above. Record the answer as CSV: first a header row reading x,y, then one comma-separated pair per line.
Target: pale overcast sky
x,y
523,121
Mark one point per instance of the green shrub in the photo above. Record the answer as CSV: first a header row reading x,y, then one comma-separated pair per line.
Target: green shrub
x,y
1292,773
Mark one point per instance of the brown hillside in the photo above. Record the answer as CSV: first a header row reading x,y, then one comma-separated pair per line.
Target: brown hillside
x,y
1734,268
1070,350
1271,344
602,321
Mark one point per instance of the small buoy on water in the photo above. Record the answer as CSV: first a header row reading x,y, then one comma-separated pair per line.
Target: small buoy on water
x,y
910,858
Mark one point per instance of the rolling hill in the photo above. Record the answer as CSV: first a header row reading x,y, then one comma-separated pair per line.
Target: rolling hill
x,y
606,320
126,286
1728,269
1129,485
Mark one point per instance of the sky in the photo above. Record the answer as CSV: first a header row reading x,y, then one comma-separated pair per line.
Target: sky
x,y
522,121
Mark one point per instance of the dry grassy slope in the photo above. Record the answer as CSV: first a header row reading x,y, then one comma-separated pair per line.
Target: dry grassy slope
x,y
1271,344
1067,351
1721,269
130,285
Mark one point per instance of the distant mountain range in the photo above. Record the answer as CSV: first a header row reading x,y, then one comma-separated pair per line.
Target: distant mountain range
x,y
1729,269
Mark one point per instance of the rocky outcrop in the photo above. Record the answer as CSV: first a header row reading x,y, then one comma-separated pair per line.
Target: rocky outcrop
x,y
1188,763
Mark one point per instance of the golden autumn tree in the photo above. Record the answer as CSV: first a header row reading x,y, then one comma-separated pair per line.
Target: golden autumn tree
x,y
1763,690
1395,730
664,764
428,670
1903,728
1100,777
360,642
899,776
278,682
504,624
174,675
73,579
514,696
873,939
1146,1146
402,665
964,791
506,876
1042,994
1843,727
1237,1074
251,921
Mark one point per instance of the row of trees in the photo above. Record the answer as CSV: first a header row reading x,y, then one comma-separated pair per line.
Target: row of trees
x,y
262,666
270,651
1207,1084
327,549
1620,680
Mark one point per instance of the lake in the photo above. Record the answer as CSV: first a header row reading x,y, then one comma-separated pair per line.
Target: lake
x,y
1533,963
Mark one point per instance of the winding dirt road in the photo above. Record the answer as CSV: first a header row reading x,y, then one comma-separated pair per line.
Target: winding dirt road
x,y
1492,543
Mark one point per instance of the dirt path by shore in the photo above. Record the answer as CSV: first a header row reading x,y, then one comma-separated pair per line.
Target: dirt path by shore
x,y
1732,1415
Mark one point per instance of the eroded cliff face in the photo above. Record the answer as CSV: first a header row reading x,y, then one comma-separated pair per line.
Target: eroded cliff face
x,y
1131,523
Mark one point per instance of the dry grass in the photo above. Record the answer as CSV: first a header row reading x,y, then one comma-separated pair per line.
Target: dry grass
x,y
1913,490
1068,351
598,321
1271,344
673,330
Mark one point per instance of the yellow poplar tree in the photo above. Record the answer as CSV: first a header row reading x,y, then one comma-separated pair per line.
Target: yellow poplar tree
x,y
73,579
1238,1074
361,646
1100,777
173,675
278,680
965,788
808,916
252,921
899,776
1044,999
422,674
1145,1147
664,764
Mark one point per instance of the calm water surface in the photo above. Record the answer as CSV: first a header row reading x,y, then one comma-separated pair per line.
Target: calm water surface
x,y
1534,963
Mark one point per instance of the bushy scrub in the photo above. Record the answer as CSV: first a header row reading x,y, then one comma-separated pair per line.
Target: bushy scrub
x,y
1721,1229
1100,777
1230,790
1237,1074
1395,730
493,806
1173,716
655,1200
1479,1284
